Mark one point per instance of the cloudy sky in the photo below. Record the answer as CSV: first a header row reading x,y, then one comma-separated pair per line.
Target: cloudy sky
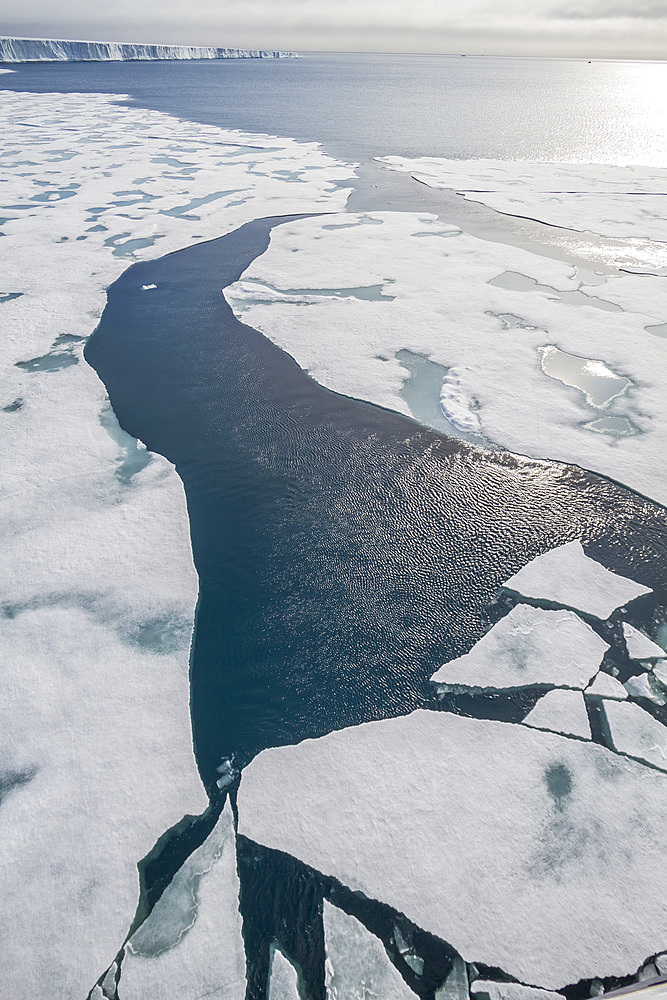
x,y
615,28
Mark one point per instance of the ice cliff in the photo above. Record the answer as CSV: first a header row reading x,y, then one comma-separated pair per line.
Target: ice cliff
x,y
61,50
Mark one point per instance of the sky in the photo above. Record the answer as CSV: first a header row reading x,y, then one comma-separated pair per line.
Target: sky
x,y
634,29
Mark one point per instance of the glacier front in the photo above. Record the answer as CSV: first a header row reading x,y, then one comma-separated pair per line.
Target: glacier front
x,y
65,50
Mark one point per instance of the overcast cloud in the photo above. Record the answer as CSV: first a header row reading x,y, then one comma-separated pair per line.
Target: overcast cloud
x,y
611,28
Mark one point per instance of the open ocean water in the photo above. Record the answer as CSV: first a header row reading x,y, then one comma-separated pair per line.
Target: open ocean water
x,y
343,551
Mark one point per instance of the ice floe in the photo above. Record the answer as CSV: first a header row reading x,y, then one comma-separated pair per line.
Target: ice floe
x,y
283,978
191,945
567,576
98,586
455,986
528,647
519,848
488,990
616,201
636,733
606,686
640,647
579,377
357,966
644,685
561,712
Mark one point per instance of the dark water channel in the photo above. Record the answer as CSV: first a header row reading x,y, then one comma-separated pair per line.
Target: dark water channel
x,y
344,552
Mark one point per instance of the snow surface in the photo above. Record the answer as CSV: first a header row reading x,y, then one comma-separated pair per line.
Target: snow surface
x,y
510,991
567,576
636,733
98,588
357,966
528,647
561,712
283,978
606,686
520,848
66,50
615,201
191,945
640,647
445,295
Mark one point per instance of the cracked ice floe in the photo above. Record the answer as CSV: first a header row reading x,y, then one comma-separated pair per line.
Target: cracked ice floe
x,y
640,647
567,576
606,686
528,647
519,848
488,990
447,305
636,733
191,945
645,686
561,712
96,571
615,201
357,965
283,977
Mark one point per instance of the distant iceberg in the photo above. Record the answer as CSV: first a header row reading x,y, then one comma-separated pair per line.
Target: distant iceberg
x,y
14,50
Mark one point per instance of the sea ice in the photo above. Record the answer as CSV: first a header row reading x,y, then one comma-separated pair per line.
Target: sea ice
x,y
606,686
98,588
283,978
645,686
561,712
455,986
191,945
528,647
640,647
519,848
636,733
593,399
567,576
357,966
488,990
660,672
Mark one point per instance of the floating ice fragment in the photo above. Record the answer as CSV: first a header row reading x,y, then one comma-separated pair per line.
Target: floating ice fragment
x,y
283,978
528,647
640,647
455,986
147,288
191,945
457,402
567,576
606,686
519,848
636,733
357,966
484,988
561,712
645,686
660,672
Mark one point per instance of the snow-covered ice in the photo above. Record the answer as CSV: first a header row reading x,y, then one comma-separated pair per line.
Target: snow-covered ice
x,y
610,200
636,733
518,847
606,686
640,647
446,300
357,965
561,712
567,576
528,647
660,672
644,685
283,978
485,989
191,945
98,587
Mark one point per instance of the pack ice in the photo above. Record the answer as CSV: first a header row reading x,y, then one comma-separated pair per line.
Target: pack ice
x,y
98,587
520,848
532,358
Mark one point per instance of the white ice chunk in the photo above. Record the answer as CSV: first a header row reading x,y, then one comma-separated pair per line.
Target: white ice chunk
x,y
457,402
283,977
191,945
567,576
510,991
606,686
645,686
561,712
660,672
520,848
357,965
640,647
661,963
528,647
147,288
636,733
455,986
